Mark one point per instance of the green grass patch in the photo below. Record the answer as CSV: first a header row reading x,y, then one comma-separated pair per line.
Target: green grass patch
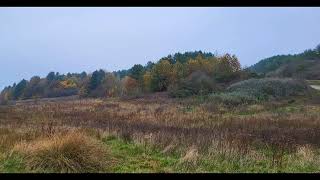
x,y
12,164
129,157
133,158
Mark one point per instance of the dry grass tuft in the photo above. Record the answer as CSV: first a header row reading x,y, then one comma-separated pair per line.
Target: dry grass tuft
x,y
168,149
191,157
306,153
71,152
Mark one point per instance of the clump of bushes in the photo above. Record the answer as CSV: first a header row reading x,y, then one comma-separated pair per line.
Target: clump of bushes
x,y
256,90
233,98
71,152
266,88
197,83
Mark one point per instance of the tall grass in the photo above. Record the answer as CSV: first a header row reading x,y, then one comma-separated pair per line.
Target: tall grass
x,y
71,152
172,126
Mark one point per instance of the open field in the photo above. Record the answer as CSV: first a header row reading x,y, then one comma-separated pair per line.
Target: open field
x,y
157,134
133,91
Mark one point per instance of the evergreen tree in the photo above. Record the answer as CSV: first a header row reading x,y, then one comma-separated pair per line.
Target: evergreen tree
x,y
318,48
19,89
136,72
96,79
51,76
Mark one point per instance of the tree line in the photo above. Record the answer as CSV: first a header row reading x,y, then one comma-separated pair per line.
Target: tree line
x,y
272,63
181,74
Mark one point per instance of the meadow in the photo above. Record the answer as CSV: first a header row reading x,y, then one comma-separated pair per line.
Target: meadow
x,y
155,133
77,100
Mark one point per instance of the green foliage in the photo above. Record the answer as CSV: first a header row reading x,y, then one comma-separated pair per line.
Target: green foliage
x,y
33,88
257,90
180,91
54,85
12,164
233,98
197,83
19,89
136,158
82,75
51,76
265,88
184,57
121,73
318,48
137,72
149,66
280,61
183,74
95,88
96,79
161,75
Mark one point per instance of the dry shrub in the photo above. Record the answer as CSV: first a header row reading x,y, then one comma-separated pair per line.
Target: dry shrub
x,y
12,135
306,153
168,149
191,157
70,152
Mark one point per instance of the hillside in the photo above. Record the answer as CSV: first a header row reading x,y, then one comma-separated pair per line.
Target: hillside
x,y
305,69
305,65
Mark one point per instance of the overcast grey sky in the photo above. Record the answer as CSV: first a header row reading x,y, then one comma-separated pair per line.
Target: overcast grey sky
x,y
34,41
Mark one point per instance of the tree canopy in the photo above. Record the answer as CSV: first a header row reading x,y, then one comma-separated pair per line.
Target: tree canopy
x,y
193,69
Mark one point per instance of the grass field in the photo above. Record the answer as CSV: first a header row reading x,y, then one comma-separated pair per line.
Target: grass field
x,y
160,135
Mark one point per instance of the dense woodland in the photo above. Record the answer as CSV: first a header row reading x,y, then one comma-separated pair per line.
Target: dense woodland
x,y
296,63
182,75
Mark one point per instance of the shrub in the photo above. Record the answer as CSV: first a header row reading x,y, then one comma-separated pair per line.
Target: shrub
x,y
71,152
197,83
265,88
130,86
180,91
255,90
232,98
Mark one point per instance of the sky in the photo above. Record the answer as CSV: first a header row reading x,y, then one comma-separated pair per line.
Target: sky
x,y
35,41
